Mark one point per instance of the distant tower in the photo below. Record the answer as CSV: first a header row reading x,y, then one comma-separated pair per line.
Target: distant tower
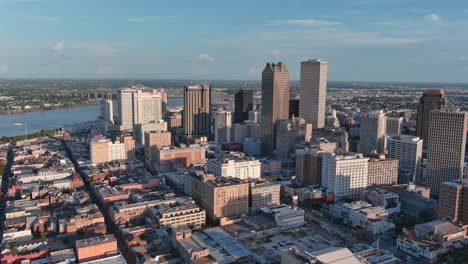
x,y
313,92
107,111
275,102
126,103
432,99
197,110
243,104
446,148
223,127
373,128
139,107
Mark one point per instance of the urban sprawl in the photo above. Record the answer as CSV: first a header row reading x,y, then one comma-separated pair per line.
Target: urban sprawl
x,y
276,175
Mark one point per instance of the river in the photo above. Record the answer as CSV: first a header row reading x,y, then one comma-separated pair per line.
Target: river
x,y
50,119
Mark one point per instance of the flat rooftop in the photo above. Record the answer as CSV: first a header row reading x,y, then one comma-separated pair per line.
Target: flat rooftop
x,y
95,241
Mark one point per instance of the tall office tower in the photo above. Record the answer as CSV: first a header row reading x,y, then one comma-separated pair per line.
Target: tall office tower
x,y
197,110
138,107
446,147
275,102
243,104
408,150
313,91
126,104
309,166
293,107
223,127
107,111
373,127
285,139
432,99
149,107
394,125
345,174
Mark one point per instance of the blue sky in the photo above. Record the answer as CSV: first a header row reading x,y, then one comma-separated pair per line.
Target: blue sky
x,y
369,40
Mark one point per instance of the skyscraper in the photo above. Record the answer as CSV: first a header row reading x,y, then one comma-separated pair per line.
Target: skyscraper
x,y
243,104
126,103
197,110
432,99
408,150
149,107
223,127
275,102
139,107
373,127
313,91
107,111
446,148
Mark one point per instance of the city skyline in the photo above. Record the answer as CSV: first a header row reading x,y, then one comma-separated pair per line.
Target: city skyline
x,y
402,37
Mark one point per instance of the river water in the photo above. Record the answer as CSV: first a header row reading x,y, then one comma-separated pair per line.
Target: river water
x,y
36,121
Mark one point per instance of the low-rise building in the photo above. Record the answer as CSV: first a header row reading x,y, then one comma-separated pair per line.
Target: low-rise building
x,y
234,166
331,255
284,215
211,245
219,196
453,201
415,200
180,213
364,215
170,158
96,248
264,194
433,239
382,171
383,198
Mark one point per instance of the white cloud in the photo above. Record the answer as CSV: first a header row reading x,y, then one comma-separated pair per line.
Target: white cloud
x,y
254,72
148,19
3,69
41,18
58,47
276,53
433,18
303,23
205,57
105,71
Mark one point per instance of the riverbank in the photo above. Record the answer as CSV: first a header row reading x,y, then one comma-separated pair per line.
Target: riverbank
x,y
42,133
48,109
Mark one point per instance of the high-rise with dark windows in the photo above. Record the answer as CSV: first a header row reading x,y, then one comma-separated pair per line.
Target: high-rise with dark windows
x,y
243,104
275,102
